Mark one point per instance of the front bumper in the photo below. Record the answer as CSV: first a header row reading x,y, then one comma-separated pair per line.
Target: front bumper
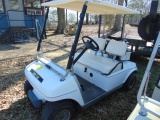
x,y
34,100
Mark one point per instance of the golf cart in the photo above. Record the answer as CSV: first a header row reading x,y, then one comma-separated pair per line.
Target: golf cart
x,y
88,78
148,108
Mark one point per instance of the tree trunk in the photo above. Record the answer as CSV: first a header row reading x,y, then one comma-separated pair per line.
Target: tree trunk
x,y
77,17
87,16
96,19
66,17
61,20
118,22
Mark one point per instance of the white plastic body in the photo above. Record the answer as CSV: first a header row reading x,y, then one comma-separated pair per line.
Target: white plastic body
x,y
146,105
126,56
106,82
136,116
156,94
52,89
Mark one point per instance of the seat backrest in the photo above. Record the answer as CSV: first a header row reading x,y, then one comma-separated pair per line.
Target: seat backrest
x,y
101,43
116,48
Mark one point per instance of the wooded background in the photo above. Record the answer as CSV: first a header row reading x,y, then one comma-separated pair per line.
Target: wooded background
x,y
63,17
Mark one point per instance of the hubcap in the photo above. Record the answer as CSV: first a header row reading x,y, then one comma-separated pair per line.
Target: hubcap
x,y
63,115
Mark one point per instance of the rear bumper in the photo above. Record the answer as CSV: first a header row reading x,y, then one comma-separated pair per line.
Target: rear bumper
x,y
34,100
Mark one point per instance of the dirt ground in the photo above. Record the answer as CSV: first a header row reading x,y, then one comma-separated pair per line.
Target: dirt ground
x,y
14,57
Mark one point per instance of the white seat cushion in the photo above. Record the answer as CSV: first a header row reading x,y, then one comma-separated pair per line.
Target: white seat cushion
x,y
102,64
116,48
101,43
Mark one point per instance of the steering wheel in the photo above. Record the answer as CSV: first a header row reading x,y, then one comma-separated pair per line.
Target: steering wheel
x,y
90,43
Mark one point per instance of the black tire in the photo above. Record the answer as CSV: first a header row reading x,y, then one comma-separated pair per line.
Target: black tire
x,y
62,110
130,82
27,86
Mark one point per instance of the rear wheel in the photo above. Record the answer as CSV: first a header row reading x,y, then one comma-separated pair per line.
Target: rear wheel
x,y
130,82
62,110
27,86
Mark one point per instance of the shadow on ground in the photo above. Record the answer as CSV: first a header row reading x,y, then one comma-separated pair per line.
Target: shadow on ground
x,y
8,47
20,110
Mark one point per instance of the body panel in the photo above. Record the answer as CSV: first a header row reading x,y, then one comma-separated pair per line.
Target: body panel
x,y
136,116
51,88
106,82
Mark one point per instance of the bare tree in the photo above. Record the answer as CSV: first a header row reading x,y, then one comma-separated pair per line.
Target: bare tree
x,y
140,5
66,17
77,17
71,17
108,20
52,16
92,18
118,22
96,19
61,20
87,17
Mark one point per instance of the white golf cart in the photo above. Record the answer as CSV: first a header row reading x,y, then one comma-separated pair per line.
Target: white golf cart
x,y
148,108
88,77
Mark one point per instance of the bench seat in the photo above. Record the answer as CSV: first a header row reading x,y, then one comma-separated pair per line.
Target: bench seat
x,y
101,64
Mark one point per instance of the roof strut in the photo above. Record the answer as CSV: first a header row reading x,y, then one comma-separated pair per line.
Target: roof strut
x,y
153,9
123,23
99,28
74,46
154,6
43,30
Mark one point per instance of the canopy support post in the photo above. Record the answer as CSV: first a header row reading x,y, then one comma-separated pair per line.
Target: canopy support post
x,y
99,28
154,6
74,46
43,31
123,23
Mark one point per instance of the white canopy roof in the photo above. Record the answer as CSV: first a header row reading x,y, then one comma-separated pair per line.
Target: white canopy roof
x,y
94,6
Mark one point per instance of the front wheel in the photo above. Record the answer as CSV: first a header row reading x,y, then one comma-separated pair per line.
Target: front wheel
x,y
27,86
62,110
130,82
